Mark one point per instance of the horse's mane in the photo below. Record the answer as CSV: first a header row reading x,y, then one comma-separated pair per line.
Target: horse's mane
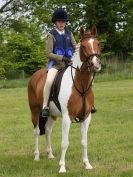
x,y
76,50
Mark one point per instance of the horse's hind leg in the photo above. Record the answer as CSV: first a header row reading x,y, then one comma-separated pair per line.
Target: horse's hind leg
x,y
36,152
48,131
35,119
84,128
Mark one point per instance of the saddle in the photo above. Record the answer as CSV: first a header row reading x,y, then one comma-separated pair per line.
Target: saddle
x,y
56,87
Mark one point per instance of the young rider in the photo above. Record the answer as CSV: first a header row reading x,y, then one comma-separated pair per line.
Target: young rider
x,y
59,49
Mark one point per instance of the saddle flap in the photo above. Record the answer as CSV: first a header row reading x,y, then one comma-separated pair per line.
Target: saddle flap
x,y
56,87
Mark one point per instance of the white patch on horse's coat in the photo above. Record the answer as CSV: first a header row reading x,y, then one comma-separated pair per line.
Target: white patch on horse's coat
x,y
84,127
96,63
94,60
36,152
48,131
66,89
76,58
64,95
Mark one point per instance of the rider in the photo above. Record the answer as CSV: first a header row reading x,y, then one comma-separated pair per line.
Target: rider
x,y
59,49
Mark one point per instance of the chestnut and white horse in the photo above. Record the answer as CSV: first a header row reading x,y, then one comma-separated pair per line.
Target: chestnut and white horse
x,y
75,97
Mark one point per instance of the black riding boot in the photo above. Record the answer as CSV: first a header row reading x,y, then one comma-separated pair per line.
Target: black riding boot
x,y
45,112
93,109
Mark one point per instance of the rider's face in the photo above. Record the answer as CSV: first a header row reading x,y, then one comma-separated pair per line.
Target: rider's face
x,y
60,25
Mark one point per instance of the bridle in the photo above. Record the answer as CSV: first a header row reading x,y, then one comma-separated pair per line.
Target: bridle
x,y
89,58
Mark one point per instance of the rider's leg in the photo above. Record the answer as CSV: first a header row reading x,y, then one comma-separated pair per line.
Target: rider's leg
x,y
46,91
93,109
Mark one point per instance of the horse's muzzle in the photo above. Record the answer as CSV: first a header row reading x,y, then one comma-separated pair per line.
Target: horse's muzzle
x,y
96,64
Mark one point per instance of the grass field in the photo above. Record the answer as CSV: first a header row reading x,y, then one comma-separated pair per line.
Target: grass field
x,y
110,136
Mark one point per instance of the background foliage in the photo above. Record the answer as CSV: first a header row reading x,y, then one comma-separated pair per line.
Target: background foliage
x,y
25,23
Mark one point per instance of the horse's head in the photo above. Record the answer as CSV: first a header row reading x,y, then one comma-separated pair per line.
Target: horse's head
x,y
90,49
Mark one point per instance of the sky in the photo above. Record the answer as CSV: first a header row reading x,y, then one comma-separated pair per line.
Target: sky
x,y
1,2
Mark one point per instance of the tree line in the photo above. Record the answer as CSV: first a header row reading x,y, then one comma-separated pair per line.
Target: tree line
x,y
24,26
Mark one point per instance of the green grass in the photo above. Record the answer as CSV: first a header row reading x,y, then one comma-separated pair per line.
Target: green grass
x,y
110,136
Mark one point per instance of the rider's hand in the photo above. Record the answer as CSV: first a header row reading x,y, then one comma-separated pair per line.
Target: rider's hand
x,y
66,60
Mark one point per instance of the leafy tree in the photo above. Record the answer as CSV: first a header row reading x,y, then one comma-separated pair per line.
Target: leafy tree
x,y
22,38
23,49
112,18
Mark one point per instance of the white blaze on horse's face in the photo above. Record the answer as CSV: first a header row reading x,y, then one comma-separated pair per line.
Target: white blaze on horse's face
x,y
94,49
91,41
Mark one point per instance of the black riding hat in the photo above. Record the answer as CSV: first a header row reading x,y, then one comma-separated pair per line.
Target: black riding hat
x,y
60,14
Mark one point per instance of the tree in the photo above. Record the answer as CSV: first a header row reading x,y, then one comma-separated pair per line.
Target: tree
x,y
24,22
112,18
23,48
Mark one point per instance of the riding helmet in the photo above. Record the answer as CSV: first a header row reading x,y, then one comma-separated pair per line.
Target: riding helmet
x,y
60,14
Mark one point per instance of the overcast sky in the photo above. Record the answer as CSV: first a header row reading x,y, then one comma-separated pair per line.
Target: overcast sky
x,y
1,2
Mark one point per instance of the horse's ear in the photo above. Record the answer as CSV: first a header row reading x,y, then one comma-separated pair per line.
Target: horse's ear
x,y
82,31
94,30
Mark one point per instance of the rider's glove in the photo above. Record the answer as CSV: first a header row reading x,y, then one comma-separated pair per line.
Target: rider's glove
x,y
66,60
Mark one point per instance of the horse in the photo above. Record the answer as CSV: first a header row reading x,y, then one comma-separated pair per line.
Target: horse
x,y
75,97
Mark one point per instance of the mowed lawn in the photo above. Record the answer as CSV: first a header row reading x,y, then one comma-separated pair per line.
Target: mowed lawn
x,y
110,136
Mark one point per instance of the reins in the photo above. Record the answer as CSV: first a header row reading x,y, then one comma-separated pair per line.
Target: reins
x,y
82,93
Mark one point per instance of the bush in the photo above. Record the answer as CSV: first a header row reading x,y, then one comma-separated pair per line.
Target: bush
x,y
15,74
2,73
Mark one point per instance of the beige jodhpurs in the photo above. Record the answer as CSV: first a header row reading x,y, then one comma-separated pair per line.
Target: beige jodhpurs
x,y
47,87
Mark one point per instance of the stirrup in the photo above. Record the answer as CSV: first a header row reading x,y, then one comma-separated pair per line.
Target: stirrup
x,y
45,112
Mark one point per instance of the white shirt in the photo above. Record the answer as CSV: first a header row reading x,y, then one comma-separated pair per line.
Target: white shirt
x,y
60,32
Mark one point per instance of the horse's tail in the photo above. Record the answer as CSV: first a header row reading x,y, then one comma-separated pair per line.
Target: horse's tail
x,y
42,123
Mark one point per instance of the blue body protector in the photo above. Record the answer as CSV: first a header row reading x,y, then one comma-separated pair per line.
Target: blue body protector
x,y
63,46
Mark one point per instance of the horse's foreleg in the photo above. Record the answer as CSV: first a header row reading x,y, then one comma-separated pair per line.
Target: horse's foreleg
x,y
65,141
84,128
36,133
48,131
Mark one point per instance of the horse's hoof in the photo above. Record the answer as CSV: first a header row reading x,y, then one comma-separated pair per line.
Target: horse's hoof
x,y
50,156
36,159
88,166
62,169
